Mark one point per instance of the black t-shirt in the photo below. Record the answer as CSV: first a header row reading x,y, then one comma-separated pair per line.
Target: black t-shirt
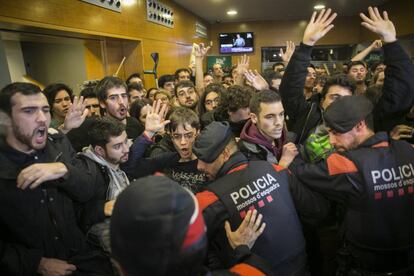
x,y
187,175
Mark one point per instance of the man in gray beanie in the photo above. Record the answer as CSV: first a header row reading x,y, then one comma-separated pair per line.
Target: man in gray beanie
x,y
372,176
239,186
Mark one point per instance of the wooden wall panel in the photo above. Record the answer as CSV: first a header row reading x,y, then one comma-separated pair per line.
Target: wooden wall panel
x,y
77,16
93,60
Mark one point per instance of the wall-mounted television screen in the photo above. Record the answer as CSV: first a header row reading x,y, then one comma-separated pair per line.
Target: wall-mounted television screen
x,y
235,43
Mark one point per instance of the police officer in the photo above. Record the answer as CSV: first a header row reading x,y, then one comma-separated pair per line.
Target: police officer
x,y
372,176
157,229
240,186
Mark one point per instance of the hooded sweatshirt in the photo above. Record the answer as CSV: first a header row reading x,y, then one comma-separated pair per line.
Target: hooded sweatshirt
x,y
251,133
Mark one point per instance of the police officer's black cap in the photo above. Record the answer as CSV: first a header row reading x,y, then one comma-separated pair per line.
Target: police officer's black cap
x,y
149,224
212,141
346,112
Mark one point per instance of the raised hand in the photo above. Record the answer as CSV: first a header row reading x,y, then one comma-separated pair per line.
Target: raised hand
x,y
248,232
76,115
243,64
289,153
380,25
256,80
200,51
401,132
318,26
55,267
376,44
290,48
109,207
155,120
36,174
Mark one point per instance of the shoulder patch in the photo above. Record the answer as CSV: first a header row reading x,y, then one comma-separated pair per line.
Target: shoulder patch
x,y
205,199
384,144
278,168
339,164
246,270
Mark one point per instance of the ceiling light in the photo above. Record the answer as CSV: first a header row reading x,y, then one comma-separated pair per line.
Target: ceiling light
x,y
319,7
232,12
129,2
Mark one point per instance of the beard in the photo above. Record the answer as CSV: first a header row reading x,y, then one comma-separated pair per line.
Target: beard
x,y
27,139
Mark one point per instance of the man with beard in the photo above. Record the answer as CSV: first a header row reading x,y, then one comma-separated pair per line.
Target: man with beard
x,y
105,157
186,95
264,136
40,178
357,72
372,177
113,98
218,73
309,82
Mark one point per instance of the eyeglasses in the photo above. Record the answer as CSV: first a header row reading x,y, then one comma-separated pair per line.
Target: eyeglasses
x,y
187,136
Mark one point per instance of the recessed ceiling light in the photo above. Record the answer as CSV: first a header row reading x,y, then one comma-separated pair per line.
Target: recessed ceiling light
x,y
319,7
232,12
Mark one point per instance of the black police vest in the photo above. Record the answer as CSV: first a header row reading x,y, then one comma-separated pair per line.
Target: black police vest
x,y
259,186
384,218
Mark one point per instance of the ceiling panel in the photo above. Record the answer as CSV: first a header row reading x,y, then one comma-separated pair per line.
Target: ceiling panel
x,y
259,10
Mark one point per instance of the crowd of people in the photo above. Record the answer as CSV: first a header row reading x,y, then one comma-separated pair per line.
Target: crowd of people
x,y
298,171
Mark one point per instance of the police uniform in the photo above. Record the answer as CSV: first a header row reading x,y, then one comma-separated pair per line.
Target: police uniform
x,y
375,183
241,186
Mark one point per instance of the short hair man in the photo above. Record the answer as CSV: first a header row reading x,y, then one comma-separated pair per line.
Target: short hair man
x,y
167,82
182,74
264,136
238,186
91,102
186,94
369,175
357,72
273,79
134,78
40,179
217,73
207,79
159,215
108,149
278,67
113,98
135,92
234,108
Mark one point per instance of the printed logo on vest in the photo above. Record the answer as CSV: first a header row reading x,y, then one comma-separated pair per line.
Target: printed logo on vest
x,y
393,181
257,191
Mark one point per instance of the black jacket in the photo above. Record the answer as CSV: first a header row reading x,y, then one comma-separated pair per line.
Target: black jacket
x,y
93,211
40,222
304,115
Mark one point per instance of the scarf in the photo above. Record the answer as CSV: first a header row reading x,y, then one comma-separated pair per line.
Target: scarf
x,y
118,180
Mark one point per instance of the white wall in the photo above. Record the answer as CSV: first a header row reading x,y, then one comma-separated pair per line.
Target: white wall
x,y
50,62
15,60
4,67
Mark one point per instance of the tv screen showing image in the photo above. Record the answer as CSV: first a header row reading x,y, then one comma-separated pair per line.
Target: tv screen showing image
x,y
236,43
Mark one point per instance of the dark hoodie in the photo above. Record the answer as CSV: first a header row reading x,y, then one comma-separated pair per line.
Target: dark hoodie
x,y
251,135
